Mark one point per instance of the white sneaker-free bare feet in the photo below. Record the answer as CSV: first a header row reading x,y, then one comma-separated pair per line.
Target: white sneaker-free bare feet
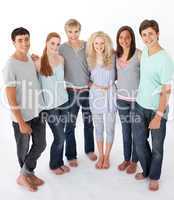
x,y
58,171
139,176
36,180
92,156
26,182
153,185
65,168
99,164
73,163
106,163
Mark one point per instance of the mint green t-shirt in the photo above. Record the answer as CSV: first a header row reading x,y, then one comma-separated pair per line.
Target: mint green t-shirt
x,y
155,71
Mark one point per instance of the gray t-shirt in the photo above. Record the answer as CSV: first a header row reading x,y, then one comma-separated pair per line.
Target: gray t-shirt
x,y
23,76
76,68
128,77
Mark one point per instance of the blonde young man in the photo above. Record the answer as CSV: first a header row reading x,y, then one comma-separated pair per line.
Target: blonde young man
x,y
77,81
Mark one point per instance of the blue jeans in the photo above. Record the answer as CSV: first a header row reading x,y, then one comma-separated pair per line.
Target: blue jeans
x,y
56,119
77,100
126,111
28,156
150,157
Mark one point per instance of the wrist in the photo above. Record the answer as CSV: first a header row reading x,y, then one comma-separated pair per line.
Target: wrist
x,y
157,117
21,122
159,113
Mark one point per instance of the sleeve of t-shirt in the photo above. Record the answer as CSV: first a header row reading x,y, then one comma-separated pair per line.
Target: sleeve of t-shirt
x,y
61,50
167,71
9,76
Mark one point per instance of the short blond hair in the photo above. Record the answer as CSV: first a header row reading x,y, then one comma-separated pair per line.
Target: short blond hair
x,y
72,23
108,51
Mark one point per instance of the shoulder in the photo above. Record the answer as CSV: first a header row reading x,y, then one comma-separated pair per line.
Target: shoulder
x,y
37,64
59,60
167,58
9,65
63,46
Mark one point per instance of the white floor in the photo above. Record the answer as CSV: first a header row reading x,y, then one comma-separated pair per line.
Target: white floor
x,y
84,182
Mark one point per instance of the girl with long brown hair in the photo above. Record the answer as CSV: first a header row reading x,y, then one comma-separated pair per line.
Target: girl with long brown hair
x,y
51,75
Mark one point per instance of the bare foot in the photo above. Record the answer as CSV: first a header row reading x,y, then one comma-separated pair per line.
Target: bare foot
x,y
106,163
139,176
73,163
36,180
58,171
99,163
92,156
123,165
65,168
153,185
25,181
131,169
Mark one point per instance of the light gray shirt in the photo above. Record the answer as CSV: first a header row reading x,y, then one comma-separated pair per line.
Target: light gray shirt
x,y
23,76
75,65
128,77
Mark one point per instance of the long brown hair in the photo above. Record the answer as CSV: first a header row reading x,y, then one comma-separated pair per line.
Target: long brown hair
x,y
119,50
45,68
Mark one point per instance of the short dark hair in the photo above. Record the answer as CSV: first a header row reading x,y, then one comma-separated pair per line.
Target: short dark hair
x,y
19,31
149,24
119,50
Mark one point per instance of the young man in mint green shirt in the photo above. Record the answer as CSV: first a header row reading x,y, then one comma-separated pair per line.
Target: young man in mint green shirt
x,y
156,70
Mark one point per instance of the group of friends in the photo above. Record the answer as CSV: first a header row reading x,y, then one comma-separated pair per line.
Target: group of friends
x,y
99,80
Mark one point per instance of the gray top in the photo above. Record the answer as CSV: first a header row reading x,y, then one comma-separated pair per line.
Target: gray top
x,y
103,101
128,77
53,88
76,68
23,76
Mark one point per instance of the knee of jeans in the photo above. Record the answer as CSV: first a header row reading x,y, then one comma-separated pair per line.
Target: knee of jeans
x,y
70,129
43,146
157,155
59,139
139,149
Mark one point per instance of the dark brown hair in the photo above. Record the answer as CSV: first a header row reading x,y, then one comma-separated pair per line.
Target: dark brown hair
x,y
119,49
19,31
45,68
149,23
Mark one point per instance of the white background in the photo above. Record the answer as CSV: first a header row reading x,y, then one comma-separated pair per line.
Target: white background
x,y
42,17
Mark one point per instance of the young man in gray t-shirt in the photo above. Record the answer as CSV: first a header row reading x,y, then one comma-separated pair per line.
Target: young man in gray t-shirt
x,y
22,91
77,81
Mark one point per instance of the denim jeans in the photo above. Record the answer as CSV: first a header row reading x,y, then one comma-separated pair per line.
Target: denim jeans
x,y
150,157
56,119
27,156
77,100
126,111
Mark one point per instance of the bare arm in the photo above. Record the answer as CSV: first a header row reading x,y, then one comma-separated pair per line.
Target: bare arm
x,y
11,96
164,98
36,60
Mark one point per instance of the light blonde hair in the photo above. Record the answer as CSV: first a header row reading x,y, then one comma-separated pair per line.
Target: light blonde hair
x,y
72,23
108,50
